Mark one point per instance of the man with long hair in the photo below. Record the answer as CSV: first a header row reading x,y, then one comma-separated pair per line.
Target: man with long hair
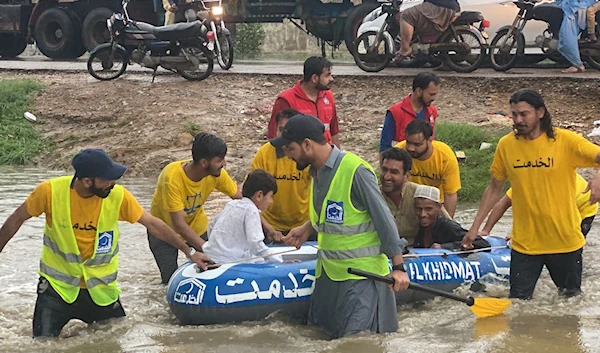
x,y
540,162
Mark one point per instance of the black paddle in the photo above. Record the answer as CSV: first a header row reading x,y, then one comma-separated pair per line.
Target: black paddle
x,y
481,307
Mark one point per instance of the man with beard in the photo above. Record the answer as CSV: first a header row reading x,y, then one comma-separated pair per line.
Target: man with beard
x,y
434,163
398,192
182,189
540,162
417,105
312,96
355,229
80,255
290,204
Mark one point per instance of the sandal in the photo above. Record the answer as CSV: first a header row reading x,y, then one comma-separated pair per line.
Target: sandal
x,y
573,69
402,58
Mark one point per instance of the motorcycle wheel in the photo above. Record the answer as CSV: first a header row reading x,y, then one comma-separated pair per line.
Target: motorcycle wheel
x,y
505,57
204,56
106,70
462,61
373,60
226,51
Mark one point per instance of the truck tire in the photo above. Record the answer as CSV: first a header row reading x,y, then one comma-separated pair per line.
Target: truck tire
x,y
354,20
94,30
77,49
55,34
12,45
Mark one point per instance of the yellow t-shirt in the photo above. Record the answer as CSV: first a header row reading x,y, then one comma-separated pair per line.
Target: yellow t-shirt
x,y
439,170
582,200
176,192
542,174
290,204
84,214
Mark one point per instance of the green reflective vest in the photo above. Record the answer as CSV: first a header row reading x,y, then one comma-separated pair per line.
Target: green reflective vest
x,y
347,236
61,263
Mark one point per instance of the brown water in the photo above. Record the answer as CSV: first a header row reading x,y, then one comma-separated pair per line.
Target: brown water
x,y
545,324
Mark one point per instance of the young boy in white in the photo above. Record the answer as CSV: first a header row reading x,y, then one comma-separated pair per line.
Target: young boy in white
x,y
236,233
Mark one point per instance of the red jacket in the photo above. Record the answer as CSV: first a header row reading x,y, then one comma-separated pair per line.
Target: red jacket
x,y
404,113
295,98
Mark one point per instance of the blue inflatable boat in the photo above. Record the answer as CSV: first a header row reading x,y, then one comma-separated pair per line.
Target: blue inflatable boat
x,y
249,292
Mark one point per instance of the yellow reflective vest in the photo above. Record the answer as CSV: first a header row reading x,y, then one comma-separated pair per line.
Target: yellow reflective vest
x,y
347,236
61,263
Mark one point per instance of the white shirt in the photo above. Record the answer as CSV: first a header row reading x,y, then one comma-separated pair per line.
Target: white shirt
x,y
236,234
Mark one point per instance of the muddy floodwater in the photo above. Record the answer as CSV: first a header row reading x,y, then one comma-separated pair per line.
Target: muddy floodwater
x,y
544,324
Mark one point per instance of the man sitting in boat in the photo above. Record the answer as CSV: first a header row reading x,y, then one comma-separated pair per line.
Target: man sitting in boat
x,y
290,205
236,233
399,193
435,230
588,211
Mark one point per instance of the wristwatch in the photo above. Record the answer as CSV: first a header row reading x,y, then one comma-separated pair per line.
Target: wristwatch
x,y
192,252
399,267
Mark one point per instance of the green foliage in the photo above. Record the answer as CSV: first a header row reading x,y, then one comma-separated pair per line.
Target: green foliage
x,y
249,40
474,171
19,142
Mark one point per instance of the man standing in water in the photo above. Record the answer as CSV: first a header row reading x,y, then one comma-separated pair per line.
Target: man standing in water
x,y
80,255
540,162
355,229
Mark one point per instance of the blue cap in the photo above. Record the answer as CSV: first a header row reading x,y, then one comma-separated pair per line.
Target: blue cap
x,y
96,163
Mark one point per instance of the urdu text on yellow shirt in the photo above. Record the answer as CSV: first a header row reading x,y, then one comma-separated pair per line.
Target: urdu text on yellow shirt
x,y
290,204
439,170
542,174
84,214
176,192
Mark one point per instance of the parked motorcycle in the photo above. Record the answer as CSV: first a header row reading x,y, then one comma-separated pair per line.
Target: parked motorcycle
x,y
508,45
212,18
179,48
462,46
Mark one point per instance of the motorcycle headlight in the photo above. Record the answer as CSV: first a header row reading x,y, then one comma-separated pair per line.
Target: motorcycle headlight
x,y
217,10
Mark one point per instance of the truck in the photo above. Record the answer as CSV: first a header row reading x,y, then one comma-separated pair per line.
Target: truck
x,y
66,29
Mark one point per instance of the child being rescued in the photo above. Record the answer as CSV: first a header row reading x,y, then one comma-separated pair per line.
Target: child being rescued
x,y
236,233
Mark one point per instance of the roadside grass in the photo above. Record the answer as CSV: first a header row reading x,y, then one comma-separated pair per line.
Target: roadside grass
x,y
20,143
474,170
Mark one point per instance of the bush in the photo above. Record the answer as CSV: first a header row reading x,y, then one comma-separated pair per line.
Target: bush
x,y
249,40
19,142
474,171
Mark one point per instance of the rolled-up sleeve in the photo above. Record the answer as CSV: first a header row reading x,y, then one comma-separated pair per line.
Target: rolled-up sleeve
x,y
366,195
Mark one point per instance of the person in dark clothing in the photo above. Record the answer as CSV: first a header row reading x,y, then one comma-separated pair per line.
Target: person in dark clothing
x,y
435,230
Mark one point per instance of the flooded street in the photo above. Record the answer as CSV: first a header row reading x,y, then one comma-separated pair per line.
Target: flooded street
x,y
545,324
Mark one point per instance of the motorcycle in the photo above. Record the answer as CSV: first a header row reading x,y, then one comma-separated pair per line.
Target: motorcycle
x,y
179,48
508,45
222,47
378,40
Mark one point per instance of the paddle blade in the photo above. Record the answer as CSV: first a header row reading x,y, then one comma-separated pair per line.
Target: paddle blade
x,y
485,307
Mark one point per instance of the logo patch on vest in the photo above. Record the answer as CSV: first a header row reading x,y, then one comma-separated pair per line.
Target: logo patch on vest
x,y
334,213
105,242
325,100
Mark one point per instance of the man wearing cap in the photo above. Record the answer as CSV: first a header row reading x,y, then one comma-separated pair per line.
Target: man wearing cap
x,y
79,263
435,230
311,95
355,229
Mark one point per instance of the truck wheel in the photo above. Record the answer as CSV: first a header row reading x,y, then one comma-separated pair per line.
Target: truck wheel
x,y
354,20
77,49
55,34
94,30
12,45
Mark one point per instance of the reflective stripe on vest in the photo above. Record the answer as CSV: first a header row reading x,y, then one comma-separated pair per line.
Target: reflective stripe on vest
x,y
347,236
61,263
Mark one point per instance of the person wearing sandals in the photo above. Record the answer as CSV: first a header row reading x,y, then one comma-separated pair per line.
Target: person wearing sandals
x,y
573,22
427,18
591,22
